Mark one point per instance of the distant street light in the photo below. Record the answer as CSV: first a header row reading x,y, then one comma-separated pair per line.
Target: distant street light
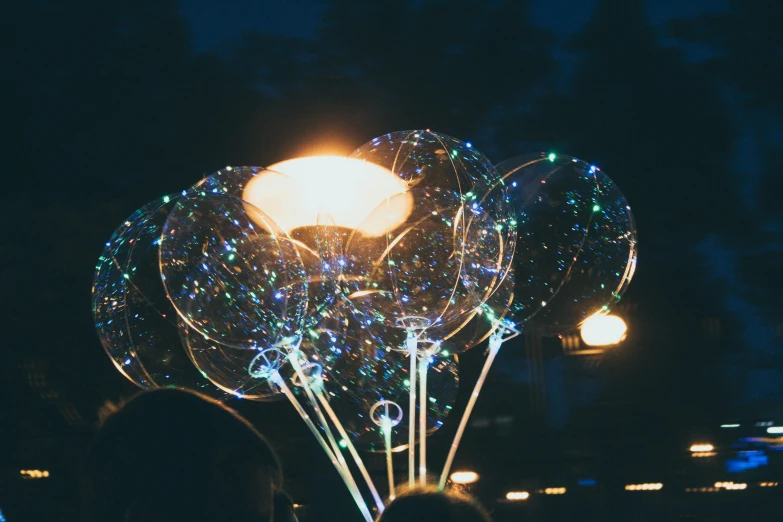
x,y
775,430
516,496
603,330
464,477
699,448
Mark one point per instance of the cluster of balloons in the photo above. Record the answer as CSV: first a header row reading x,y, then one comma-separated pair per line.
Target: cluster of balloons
x,y
332,264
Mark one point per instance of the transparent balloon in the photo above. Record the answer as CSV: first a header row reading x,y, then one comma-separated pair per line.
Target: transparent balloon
x,y
576,245
422,158
233,281
294,212
242,372
136,322
365,379
478,326
408,274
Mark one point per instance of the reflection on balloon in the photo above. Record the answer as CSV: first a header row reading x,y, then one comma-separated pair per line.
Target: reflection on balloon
x,y
360,371
576,245
422,158
234,370
136,322
234,283
411,276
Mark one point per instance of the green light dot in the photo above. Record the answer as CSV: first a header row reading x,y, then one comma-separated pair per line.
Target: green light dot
x,y
343,443
596,208
166,199
126,276
231,257
445,353
406,382
552,156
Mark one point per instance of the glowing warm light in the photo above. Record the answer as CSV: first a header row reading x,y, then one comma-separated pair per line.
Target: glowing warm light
x,y
731,486
655,486
34,473
701,490
464,477
775,430
768,484
330,190
703,454
517,495
555,491
702,447
603,330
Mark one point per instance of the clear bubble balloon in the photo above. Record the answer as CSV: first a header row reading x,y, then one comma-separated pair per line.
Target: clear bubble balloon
x,y
365,379
576,245
422,158
231,280
479,325
242,372
294,213
136,323
408,275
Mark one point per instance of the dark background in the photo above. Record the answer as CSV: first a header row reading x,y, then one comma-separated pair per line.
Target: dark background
x,y
108,105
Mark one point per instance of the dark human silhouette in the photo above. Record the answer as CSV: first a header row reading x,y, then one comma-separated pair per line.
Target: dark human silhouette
x,y
172,455
430,505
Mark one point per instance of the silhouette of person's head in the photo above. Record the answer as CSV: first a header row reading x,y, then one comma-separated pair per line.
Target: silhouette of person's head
x,y
172,455
424,505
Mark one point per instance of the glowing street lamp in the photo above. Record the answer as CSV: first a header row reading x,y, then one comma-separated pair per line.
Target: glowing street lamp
x,y
302,192
516,496
700,448
603,330
464,477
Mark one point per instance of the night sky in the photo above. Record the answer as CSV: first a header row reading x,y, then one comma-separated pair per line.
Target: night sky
x,y
214,24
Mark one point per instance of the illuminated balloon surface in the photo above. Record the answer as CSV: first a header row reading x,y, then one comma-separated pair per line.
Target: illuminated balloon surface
x,y
422,158
411,276
576,244
360,372
136,323
233,282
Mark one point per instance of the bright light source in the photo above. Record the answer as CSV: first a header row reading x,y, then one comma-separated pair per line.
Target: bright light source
x,y
703,454
731,486
555,491
603,330
775,430
464,477
729,425
702,447
655,486
330,190
517,495
768,484
34,473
